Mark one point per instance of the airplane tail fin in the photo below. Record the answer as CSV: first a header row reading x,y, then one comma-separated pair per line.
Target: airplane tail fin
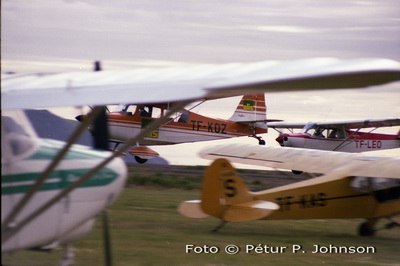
x,y
226,197
251,108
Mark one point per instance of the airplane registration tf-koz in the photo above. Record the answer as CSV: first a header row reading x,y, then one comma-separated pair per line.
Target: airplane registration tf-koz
x,y
249,119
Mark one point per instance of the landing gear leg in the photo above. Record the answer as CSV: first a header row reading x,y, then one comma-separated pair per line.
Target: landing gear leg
x,y
216,229
260,140
116,146
68,256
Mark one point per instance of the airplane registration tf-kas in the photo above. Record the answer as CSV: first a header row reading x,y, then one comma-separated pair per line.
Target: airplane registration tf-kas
x,y
352,186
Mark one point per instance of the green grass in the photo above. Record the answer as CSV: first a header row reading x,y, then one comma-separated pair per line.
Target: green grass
x,y
147,230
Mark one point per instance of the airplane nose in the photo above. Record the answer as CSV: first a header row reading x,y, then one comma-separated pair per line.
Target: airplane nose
x,y
79,118
279,139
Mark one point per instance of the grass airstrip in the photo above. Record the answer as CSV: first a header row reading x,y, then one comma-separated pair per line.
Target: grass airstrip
x,y
146,229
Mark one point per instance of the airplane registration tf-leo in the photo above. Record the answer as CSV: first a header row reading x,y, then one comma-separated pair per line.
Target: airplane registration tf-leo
x,y
339,135
249,119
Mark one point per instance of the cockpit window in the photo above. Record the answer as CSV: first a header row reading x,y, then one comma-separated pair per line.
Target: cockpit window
x,y
336,133
322,132
366,184
150,111
181,116
309,128
129,109
383,189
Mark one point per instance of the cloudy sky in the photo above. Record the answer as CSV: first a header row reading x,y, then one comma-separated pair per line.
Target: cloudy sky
x,y
55,36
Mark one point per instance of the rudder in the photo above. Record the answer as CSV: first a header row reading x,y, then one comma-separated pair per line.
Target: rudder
x,y
225,196
222,187
251,108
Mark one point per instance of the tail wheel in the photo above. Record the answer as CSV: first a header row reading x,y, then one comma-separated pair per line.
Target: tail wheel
x,y
140,160
366,230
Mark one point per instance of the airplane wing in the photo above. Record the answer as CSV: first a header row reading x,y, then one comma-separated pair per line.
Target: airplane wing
x,y
314,161
379,122
189,83
349,124
285,125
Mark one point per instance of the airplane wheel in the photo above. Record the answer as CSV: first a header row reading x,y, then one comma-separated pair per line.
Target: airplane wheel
x,y
140,160
296,172
365,230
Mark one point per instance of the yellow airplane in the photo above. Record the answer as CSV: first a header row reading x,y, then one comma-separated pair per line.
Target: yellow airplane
x,y
353,186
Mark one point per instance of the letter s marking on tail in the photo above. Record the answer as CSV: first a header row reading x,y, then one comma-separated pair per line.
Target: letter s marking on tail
x,y
230,189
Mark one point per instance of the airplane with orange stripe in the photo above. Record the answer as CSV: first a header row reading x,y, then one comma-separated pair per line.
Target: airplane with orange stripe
x,y
249,119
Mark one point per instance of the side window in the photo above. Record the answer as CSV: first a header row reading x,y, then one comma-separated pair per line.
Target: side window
x,y
129,109
181,117
146,111
150,111
320,132
184,117
336,133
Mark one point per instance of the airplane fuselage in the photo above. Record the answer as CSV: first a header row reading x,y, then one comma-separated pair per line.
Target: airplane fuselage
x,y
356,142
70,218
322,199
192,128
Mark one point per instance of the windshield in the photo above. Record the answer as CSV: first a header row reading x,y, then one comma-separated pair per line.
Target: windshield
x,y
309,128
17,133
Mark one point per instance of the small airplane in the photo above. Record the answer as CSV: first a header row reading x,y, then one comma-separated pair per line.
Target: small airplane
x,y
56,178
44,205
352,186
339,135
249,119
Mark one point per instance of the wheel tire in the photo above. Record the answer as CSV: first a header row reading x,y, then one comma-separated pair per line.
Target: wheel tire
x,y
296,172
365,230
140,160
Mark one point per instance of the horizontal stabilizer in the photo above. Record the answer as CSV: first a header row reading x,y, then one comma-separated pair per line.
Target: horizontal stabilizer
x,y
249,211
259,123
192,209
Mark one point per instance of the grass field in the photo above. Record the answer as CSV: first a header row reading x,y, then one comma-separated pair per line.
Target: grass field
x,y
147,230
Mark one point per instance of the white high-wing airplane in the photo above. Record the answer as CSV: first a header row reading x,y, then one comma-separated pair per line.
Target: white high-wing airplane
x,y
339,135
41,208
26,208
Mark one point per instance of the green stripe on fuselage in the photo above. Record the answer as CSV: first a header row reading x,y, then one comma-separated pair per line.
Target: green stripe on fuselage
x,y
60,179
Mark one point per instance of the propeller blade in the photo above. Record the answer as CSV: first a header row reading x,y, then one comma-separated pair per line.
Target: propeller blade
x,y
100,131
